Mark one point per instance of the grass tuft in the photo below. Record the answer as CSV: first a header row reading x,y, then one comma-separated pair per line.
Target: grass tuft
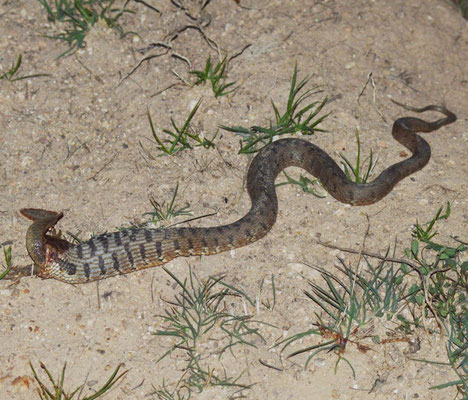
x,y
216,75
353,172
306,184
296,118
57,392
181,137
163,213
196,315
443,289
7,255
79,16
463,5
349,304
10,74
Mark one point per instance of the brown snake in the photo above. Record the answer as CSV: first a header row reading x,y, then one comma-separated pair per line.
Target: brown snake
x,y
130,250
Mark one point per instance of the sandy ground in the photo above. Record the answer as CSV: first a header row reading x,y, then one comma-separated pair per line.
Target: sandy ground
x,y
79,141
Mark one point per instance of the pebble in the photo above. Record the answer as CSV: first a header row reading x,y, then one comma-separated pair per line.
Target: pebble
x,y
298,267
340,212
191,105
6,292
319,362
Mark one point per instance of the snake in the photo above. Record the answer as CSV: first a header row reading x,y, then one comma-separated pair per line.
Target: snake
x,y
138,248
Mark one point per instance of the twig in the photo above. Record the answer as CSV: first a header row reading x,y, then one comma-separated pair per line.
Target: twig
x,y
168,48
102,168
145,4
371,81
190,219
183,58
98,295
209,41
182,79
163,90
238,53
264,363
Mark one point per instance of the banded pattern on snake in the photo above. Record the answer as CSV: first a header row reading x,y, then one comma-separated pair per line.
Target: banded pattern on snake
x,y
130,250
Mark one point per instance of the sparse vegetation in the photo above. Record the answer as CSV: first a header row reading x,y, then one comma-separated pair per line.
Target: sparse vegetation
x,y
348,305
216,76
354,172
306,184
58,392
7,255
163,213
294,119
10,74
181,137
78,16
195,315
463,4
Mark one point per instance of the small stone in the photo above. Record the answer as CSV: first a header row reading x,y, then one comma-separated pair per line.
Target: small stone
x,y
319,362
191,105
297,267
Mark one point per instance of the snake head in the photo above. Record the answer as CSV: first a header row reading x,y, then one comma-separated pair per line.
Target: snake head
x,y
40,245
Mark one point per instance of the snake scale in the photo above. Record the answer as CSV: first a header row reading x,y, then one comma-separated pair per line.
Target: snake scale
x,y
130,250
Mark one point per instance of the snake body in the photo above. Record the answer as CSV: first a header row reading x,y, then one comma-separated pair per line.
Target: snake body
x,y
130,250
